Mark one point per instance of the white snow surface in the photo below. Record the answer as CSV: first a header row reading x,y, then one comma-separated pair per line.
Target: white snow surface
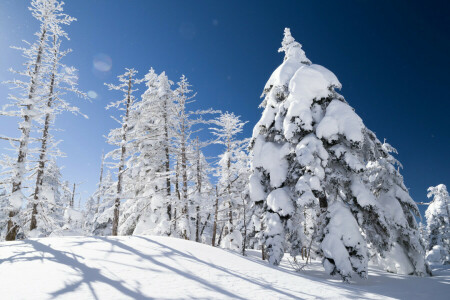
x,y
144,267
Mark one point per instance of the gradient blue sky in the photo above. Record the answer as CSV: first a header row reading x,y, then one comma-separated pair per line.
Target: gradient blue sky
x,y
392,58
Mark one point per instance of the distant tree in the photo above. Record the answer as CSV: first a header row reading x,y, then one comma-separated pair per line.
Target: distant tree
x,y
120,136
102,221
147,210
184,126
232,173
438,226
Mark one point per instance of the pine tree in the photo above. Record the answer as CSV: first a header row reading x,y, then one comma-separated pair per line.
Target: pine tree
x,y
310,151
438,226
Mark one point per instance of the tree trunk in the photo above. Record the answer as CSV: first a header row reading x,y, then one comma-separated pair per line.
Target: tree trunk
x,y
185,183
115,224
45,136
213,242
100,183
72,201
244,242
199,190
167,158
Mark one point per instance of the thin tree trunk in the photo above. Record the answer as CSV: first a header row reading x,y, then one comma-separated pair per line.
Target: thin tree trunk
x,y
177,192
263,252
23,145
100,185
115,224
204,225
184,179
220,235
45,136
42,156
245,228
213,242
199,189
167,158
72,201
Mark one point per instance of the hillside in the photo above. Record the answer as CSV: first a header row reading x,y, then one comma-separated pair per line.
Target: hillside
x,y
143,267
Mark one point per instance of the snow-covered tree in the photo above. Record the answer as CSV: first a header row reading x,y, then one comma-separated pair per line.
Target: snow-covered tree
x,y
438,226
102,221
201,193
401,249
120,137
310,150
232,173
147,211
184,126
62,79
33,93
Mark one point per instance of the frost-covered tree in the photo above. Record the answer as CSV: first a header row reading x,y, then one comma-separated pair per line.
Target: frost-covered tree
x,y
62,79
401,250
28,102
184,126
310,150
438,226
201,193
147,211
232,174
120,137
102,221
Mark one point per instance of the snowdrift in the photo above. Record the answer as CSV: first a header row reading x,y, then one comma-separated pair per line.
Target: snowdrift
x,y
143,267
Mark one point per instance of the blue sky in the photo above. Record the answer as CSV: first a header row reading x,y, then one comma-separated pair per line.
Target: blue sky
x,y
391,57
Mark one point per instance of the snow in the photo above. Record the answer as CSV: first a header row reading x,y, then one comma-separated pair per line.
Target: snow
x,y
343,233
396,261
340,118
272,157
141,267
307,84
280,202
15,200
256,189
436,255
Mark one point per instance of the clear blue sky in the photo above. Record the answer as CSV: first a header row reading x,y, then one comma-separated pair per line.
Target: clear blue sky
x,y
392,58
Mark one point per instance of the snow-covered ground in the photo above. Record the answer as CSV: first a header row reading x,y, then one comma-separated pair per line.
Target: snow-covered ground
x,y
143,267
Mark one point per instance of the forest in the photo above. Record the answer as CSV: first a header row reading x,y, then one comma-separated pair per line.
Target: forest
x,y
312,181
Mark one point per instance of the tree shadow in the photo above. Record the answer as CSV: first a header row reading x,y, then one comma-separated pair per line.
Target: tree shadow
x,y
88,275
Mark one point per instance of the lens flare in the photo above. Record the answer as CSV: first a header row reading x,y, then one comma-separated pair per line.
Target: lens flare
x,y
102,62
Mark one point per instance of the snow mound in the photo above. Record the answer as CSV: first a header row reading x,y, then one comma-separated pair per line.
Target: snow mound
x,y
142,267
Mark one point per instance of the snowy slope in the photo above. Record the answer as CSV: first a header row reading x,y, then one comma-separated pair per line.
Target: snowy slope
x,y
142,267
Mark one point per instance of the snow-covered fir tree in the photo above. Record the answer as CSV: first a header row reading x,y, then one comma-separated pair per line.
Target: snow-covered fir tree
x,y
310,150
438,226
